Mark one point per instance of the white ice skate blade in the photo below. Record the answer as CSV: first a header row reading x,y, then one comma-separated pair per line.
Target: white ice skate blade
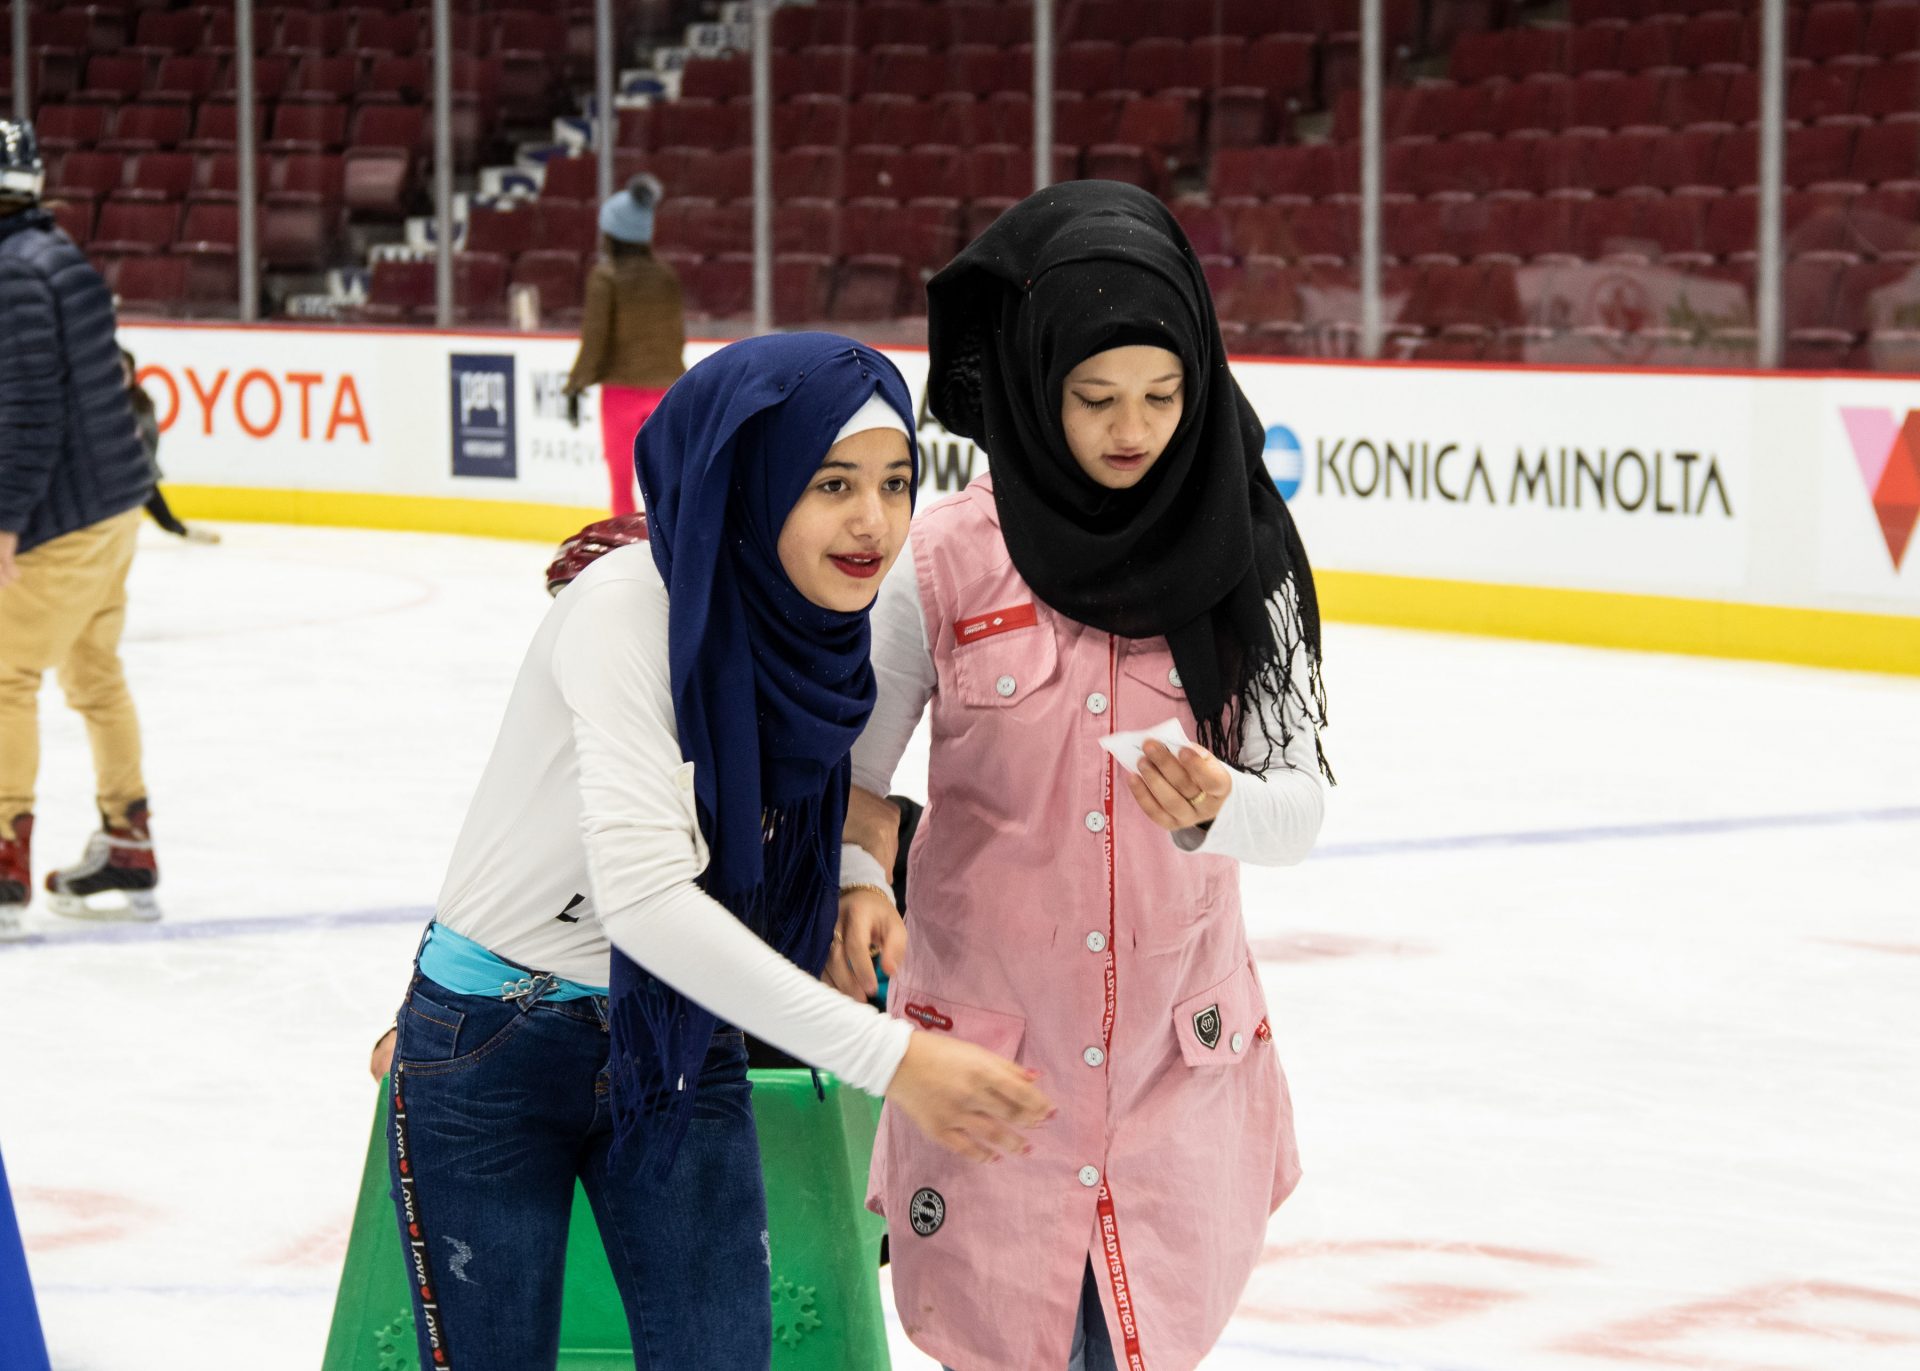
x,y
133,906
1129,749
12,927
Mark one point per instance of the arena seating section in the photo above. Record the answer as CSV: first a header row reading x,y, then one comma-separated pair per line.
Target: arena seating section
x,y
1573,159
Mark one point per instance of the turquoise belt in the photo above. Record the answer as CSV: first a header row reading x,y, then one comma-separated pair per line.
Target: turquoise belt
x,y
466,968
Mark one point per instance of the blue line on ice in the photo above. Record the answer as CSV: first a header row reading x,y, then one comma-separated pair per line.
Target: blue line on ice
x,y
1392,847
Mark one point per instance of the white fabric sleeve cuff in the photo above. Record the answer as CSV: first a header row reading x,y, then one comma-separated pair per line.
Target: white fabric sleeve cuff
x,y
860,867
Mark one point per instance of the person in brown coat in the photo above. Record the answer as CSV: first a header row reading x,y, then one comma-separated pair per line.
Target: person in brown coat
x,y
633,332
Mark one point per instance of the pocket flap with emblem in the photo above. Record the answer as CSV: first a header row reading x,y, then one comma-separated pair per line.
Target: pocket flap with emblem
x,y
1001,656
1222,1024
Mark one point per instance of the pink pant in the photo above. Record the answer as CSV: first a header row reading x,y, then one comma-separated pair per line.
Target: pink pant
x,y
622,410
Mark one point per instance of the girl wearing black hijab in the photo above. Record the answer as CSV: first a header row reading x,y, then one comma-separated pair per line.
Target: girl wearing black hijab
x,y
1127,565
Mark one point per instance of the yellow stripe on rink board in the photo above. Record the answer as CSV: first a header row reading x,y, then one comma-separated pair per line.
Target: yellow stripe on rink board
x,y
412,513
1646,623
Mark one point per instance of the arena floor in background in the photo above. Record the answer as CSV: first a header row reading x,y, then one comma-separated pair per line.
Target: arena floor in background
x,y
1591,999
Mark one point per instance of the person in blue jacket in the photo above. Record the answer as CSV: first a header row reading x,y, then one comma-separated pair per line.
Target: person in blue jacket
x,y
73,478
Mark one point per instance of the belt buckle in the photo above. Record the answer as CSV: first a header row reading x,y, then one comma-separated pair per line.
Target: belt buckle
x,y
525,987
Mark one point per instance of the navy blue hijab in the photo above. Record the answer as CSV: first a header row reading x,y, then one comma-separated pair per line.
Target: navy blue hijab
x,y
769,689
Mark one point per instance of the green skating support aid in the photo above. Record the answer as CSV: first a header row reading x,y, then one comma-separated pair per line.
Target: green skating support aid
x,y
814,1152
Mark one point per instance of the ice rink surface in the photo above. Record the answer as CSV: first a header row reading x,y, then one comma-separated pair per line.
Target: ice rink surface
x,y
1600,999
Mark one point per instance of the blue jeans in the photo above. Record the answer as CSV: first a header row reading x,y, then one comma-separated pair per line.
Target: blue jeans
x,y
499,1107
1092,1344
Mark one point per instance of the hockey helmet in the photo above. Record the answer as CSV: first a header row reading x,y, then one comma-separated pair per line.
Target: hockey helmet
x,y
22,172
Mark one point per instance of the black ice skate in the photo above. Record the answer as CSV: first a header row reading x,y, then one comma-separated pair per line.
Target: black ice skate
x,y
116,876
16,878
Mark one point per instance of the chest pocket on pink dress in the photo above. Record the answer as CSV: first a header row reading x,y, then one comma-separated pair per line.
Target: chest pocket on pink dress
x,y
1002,656
988,1028
1150,664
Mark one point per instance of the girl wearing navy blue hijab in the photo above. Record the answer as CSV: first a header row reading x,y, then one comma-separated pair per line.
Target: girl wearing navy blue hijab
x,y
652,864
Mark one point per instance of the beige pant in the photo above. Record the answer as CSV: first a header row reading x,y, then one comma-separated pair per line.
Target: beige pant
x,y
66,612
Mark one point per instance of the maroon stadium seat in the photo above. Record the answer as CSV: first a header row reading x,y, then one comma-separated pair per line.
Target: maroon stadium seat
x,y
1889,88
376,180
570,178
71,126
507,231
894,25
1610,225
73,217
1088,66
569,225
897,119
400,291
1595,47
160,176
1536,104
1613,100
309,178
1686,158
721,176
128,228
1706,39
1883,221
868,287
1675,223
1831,30
188,78
112,79
144,128
1535,227
1733,225
723,286
308,128
558,276
809,172
808,223
408,79
802,284
479,287
1821,92
896,69
1887,153
402,127
701,124
396,34
171,30
86,174
1285,64
151,285
1165,124
209,229
1649,44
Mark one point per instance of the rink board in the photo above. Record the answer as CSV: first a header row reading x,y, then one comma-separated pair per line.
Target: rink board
x,y
1732,514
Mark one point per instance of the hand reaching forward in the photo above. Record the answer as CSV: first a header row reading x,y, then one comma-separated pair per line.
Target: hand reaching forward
x,y
967,1099
1180,792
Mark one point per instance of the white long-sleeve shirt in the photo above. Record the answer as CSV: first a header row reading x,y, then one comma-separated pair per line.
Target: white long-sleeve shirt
x,y
1268,820
583,831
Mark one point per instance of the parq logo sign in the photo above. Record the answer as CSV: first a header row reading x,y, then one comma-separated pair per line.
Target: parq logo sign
x,y
483,428
1887,449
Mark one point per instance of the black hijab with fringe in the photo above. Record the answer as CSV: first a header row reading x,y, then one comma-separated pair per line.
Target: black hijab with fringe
x,y
1203,548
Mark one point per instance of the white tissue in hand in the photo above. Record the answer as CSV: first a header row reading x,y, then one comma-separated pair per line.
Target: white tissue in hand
x,y
1129,748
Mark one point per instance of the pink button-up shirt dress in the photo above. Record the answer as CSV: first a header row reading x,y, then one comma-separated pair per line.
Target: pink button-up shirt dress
x,y
1051,921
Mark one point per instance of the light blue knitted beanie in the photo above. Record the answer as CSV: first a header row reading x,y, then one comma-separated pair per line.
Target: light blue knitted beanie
x,y
627,217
